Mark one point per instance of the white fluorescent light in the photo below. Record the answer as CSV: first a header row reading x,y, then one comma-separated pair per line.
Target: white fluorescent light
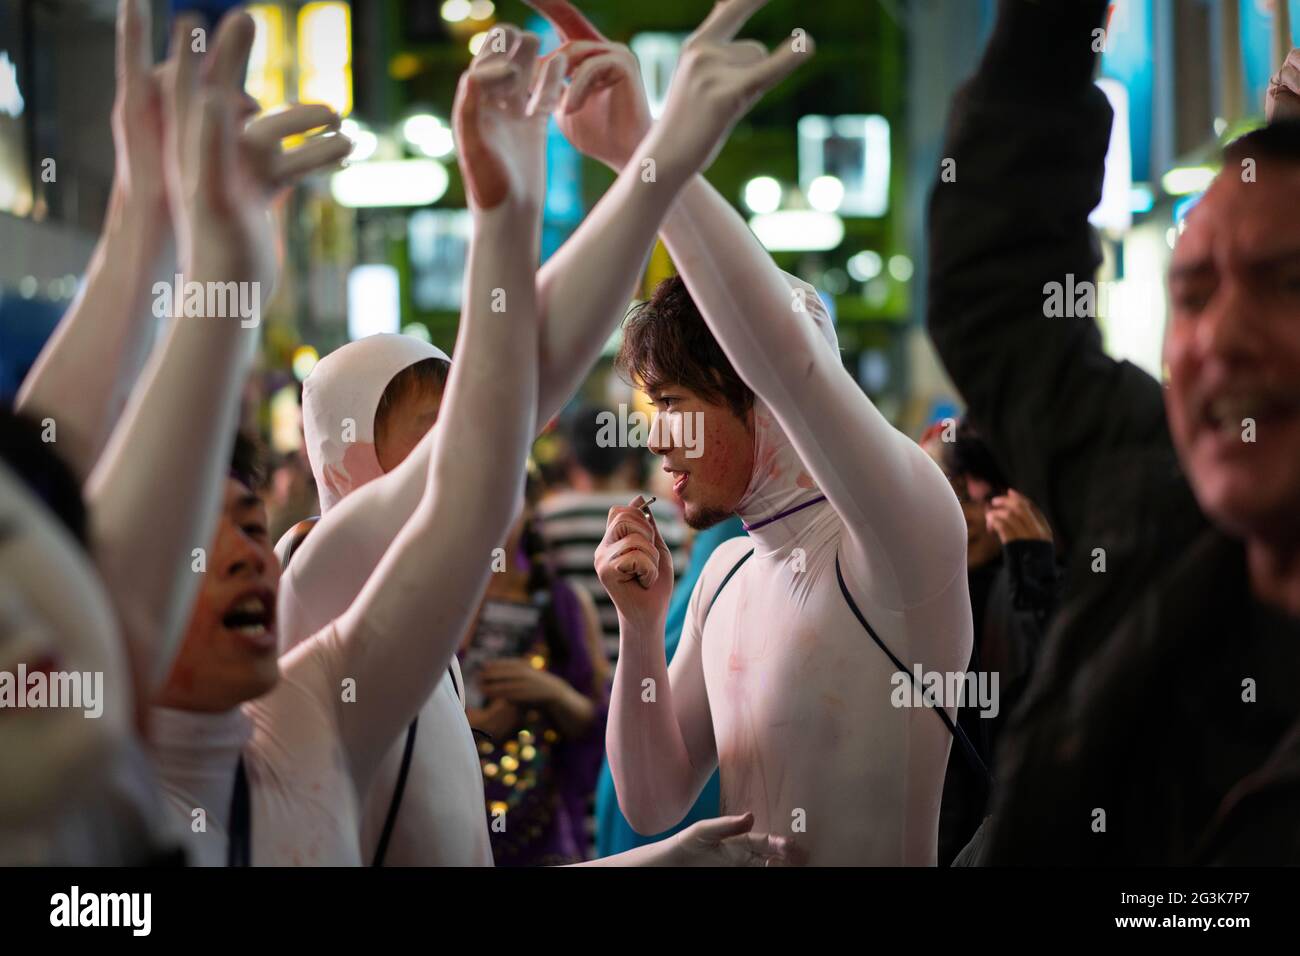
x,y
406,182
374,301
798,230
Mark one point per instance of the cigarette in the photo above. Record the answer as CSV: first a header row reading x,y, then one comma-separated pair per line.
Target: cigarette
x,y
645,508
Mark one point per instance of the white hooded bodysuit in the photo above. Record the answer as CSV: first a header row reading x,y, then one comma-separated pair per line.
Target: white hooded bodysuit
x,y
781,687
441,820
313,744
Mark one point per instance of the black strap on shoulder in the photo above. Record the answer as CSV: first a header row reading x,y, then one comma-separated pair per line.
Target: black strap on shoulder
x,y
730,574
390,821
239,845
972,755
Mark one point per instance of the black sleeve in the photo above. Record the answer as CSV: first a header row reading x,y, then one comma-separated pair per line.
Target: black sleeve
x,y
1028,135
1034,575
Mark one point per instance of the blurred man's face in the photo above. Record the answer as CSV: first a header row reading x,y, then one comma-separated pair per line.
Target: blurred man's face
x,y
229,653
1233,352
711,480
408,421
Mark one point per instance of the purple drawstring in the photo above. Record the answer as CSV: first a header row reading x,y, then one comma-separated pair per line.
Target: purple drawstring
x,y
784,514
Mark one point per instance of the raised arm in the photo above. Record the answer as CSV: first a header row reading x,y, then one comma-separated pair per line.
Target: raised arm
x,y
84,373
905,527
397,638
1027,141
582,290
153,496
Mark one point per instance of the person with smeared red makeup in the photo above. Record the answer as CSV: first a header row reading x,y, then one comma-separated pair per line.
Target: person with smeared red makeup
x,y
274,754
775,683
1162,725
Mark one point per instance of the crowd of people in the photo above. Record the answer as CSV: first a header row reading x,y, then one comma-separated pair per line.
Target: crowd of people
x,y
1062,629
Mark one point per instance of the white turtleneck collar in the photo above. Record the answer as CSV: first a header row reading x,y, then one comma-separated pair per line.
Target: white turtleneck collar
x,y
778,484
196,754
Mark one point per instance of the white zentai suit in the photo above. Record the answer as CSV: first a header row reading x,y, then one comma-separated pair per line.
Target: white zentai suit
x,y
312,745
782,687
442,819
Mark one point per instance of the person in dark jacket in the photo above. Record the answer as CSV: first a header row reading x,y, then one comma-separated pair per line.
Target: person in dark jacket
x,y
1014,579
1161,725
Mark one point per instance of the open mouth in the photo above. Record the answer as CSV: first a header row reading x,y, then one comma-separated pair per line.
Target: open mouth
x,y
252,617
680,478
1230,414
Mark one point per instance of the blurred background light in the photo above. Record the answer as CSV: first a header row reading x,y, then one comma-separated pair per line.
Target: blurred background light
x,y
406,182
453,11
364,142
1141,199
657,54
305,358
269,56
798,230
854,149
826,193
763,195
1185,180
1114,211
865,266
418,330
325,55
428,134
374,301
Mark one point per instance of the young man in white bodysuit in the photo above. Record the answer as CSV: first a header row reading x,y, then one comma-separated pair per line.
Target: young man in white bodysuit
x,y
778,683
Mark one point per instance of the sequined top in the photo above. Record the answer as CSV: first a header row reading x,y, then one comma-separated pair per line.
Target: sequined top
x,y
536,782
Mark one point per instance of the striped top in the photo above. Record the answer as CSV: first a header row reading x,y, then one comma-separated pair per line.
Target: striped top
x,y
573,523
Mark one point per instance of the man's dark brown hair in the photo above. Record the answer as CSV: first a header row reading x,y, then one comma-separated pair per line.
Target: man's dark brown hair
x,y
665,341
248,461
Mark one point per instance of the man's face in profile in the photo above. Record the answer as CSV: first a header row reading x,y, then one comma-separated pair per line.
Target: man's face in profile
x,y
1232,348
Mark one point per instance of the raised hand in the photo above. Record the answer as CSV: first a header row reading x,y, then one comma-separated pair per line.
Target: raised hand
x,y
138,118
605,114
221,177
718,79
500,120
1013,517
1283,101
635,566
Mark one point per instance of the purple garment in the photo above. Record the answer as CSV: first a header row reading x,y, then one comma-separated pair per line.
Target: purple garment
x,y
545,822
